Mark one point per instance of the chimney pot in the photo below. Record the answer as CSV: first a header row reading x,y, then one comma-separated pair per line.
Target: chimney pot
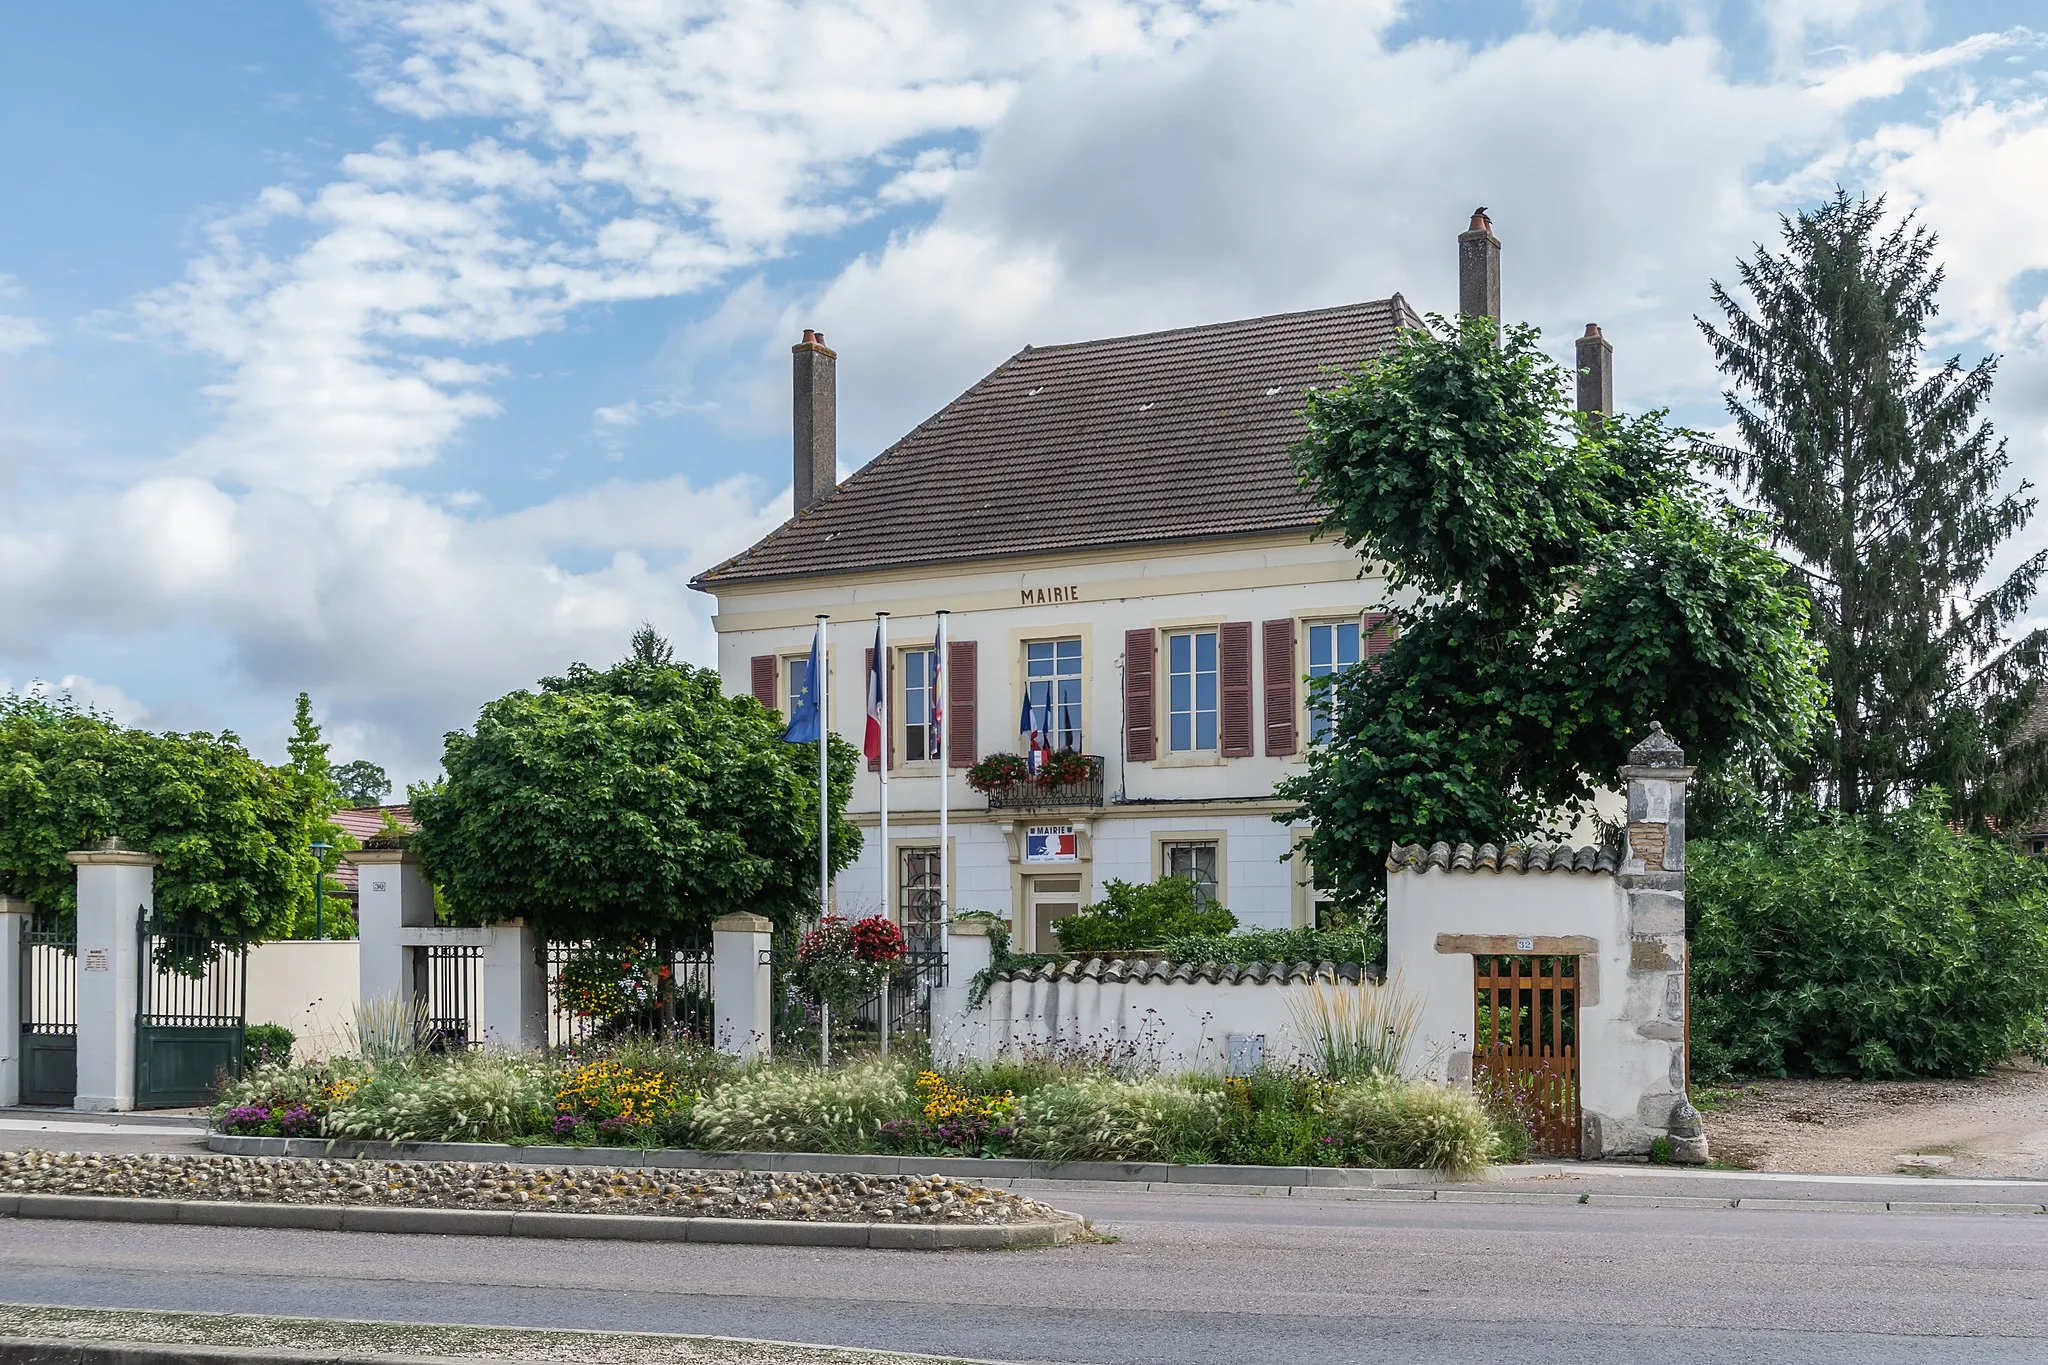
x,y
814,419
1479,271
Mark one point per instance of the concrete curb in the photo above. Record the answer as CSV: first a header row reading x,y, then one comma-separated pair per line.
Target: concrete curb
x,y
101,1351
622,1227
984,1170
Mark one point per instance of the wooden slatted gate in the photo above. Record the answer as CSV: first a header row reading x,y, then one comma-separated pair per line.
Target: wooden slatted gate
x,y
1525,1052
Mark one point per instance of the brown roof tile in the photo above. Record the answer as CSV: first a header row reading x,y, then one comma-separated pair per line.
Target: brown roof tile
x,y
1144,439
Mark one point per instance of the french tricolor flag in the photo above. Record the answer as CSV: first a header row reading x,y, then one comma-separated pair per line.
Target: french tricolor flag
x,y
872,745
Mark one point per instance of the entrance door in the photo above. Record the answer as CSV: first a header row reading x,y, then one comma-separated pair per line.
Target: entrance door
x,y
1525,1044
1047,901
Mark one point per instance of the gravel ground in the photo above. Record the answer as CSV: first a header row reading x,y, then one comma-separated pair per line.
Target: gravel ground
x,y
316,1336
556,1189
1995,1125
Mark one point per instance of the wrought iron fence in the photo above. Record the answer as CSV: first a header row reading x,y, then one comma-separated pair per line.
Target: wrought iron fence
x,y
1032,795
49,1012
689,989
192,1000
454,996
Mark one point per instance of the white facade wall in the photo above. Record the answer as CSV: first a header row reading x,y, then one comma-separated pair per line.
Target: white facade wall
x,y
1096,598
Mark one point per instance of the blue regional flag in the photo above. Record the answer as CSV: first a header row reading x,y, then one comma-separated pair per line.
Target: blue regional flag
x,y
803,708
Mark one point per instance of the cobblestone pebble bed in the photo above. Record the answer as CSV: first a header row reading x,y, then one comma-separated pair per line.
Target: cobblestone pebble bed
x,y
554,1189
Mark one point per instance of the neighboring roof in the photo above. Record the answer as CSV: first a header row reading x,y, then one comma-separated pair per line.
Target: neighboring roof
x,y
1488,858
1162,437
1154,969
364,822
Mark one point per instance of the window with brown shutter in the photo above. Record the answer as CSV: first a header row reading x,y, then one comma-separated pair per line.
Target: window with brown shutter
x,y
1277,647
764,680
963,686
1234,677
1377,627
1141,723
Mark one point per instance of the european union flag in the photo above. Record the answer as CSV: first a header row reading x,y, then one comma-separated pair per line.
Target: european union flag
x,y
803,708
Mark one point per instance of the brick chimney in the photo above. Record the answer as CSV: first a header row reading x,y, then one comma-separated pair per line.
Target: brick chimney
x,y
1596,375
815,416
1479,270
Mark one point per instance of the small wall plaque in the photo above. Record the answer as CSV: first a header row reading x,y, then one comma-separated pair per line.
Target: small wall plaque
x,y
95,960
1525,945
376,886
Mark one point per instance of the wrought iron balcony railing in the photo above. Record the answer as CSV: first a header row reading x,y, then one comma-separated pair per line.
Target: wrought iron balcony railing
x,y
1032,795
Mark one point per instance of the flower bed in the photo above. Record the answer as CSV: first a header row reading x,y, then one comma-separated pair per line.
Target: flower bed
x,y
555,1189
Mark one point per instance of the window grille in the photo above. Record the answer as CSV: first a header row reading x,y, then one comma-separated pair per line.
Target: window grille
x,y
1197,863
920,899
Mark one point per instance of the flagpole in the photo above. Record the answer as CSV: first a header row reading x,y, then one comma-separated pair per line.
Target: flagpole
x,y
882,672
945,761
822,696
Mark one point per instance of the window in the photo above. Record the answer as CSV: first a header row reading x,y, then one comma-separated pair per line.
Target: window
x,y
1191,691
1332,645
920,899
920,673
1196,862
796,673
1052,685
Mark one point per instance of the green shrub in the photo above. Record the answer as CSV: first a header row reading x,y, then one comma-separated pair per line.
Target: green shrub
x,y
777,1108
470,1097
267,1044
280,1085
1275,1117
1885,945
1133,915
1364,943
1096,1118
1412,1124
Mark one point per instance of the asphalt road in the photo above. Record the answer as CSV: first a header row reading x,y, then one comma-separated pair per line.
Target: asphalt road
x,y
1193,1280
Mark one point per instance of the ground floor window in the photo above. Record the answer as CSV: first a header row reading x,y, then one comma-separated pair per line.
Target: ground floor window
x,y
1197,862
919,888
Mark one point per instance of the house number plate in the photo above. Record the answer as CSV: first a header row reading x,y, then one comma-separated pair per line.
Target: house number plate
x,y
1525,945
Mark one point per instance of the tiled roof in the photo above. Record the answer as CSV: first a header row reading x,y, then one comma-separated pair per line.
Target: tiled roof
x,y
1144,439
1118,969
364,822
1489,858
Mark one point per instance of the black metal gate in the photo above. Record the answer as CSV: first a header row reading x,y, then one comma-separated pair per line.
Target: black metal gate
x,y
49,1013
189,1019
454,996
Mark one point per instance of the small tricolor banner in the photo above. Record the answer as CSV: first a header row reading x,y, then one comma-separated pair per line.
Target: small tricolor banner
x,y
1051,844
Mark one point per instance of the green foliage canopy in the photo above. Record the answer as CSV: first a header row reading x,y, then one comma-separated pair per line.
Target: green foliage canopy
x,y
1134,915
637,803
232,831
1576,581
1879,945
362,783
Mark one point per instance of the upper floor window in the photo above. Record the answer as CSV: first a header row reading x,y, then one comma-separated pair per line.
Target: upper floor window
x,y
1052,690
796,675
920,673
1191,691
1332,645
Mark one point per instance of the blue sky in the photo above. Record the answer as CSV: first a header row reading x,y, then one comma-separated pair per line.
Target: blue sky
x,y
402,353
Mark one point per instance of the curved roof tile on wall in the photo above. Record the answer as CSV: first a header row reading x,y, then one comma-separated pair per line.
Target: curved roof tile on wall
x,y
1162,437
1489,858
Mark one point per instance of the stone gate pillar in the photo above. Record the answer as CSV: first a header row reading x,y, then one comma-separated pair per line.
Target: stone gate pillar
x,y
959,1031
515,989
392,895
1652,886
742,985
116,887
14,922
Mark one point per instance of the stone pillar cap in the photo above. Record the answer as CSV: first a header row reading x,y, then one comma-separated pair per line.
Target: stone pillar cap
x,y
743,922
112,853
1659,750
15,905
380,857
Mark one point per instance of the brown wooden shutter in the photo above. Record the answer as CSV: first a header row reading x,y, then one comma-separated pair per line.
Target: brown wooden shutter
x,y
1376,634
1278,663
1234,687
963,684
1141,722
764,680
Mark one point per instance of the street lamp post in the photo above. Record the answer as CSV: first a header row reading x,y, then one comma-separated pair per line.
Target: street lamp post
x,y
319,888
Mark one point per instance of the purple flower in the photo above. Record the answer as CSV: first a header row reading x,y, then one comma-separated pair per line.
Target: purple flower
x,y
566,1124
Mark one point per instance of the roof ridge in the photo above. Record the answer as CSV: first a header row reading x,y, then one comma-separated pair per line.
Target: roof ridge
x,y
1223,326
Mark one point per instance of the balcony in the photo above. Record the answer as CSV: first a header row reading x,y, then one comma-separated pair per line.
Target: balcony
x,y
1020,792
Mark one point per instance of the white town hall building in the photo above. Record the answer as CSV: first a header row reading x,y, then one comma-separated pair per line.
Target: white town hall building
x,y
1116,529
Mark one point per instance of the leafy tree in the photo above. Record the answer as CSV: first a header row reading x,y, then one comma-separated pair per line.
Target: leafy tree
x,y
362,783
651,647
232,832
1134,915
1884,944
1576,581
1884,486
638,803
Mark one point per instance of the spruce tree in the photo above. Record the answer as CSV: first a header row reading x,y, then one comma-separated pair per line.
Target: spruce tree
x,y
1887,493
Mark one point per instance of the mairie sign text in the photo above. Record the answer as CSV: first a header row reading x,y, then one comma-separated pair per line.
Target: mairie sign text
x,y
1040,597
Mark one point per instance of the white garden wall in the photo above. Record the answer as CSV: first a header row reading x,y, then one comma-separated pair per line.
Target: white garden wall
x,y
310,987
